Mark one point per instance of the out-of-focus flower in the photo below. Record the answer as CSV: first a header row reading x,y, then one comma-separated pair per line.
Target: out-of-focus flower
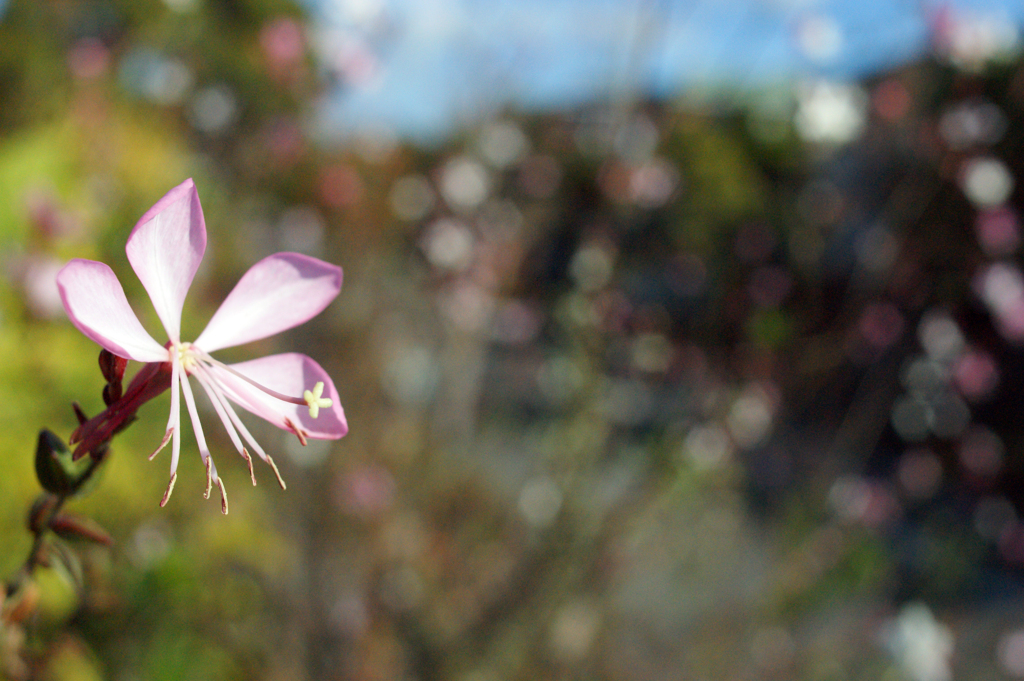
x,y
34,274
987,182
281,291
830,113
922,645
973,40
284,45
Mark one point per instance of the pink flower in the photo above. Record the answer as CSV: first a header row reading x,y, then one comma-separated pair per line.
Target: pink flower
x,y
281,291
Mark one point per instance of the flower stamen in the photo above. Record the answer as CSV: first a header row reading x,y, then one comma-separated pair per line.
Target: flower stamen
x,y
219,402
170,488
186,356
209,476
223,496
248,460
277,473
163,443
299,433
174,419
233,424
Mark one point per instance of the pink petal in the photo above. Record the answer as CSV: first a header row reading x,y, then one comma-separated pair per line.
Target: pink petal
x,y
290,374
277,293
96,304
165,250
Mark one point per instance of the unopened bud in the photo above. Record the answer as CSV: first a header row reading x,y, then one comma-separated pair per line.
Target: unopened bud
x,y
39,513
111,393
55,469
112,366
53,476
79,414
20,604
76,527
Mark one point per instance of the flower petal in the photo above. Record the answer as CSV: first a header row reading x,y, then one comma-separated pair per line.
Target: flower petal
x,y
165,250
289,374
277,293
96,304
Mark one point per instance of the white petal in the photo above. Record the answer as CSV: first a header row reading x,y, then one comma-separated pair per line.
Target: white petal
x,y
96,304
165,250
277,293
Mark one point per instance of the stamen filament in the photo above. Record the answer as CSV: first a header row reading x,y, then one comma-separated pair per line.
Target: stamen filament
x,y
216,398
197,427
236,422
273,393
227,415
174,421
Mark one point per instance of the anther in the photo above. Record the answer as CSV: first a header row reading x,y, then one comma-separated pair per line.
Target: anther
x,y
277,473
248,460
223,497
299,433
163,443
209,476
170,488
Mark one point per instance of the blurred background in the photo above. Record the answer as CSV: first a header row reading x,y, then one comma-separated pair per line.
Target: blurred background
x,y
679,339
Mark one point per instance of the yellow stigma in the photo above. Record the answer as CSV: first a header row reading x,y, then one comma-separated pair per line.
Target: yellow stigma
x,y
314,400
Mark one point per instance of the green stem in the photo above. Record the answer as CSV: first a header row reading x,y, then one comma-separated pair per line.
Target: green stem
x,y
32,561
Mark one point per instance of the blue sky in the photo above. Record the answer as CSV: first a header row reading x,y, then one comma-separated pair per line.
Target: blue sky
x,y
422,67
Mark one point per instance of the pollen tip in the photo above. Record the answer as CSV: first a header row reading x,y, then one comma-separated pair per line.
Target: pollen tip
x,y
248,460
170,488
223,497
299,433
277,473
209,476
163,443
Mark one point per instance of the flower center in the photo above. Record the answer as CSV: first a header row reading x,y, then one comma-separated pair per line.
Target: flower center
x,y
188,358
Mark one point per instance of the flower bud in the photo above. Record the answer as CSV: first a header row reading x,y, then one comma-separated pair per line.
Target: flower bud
x,y
111,393
79,414
56,471
39,513
112,367
20,604
77,527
